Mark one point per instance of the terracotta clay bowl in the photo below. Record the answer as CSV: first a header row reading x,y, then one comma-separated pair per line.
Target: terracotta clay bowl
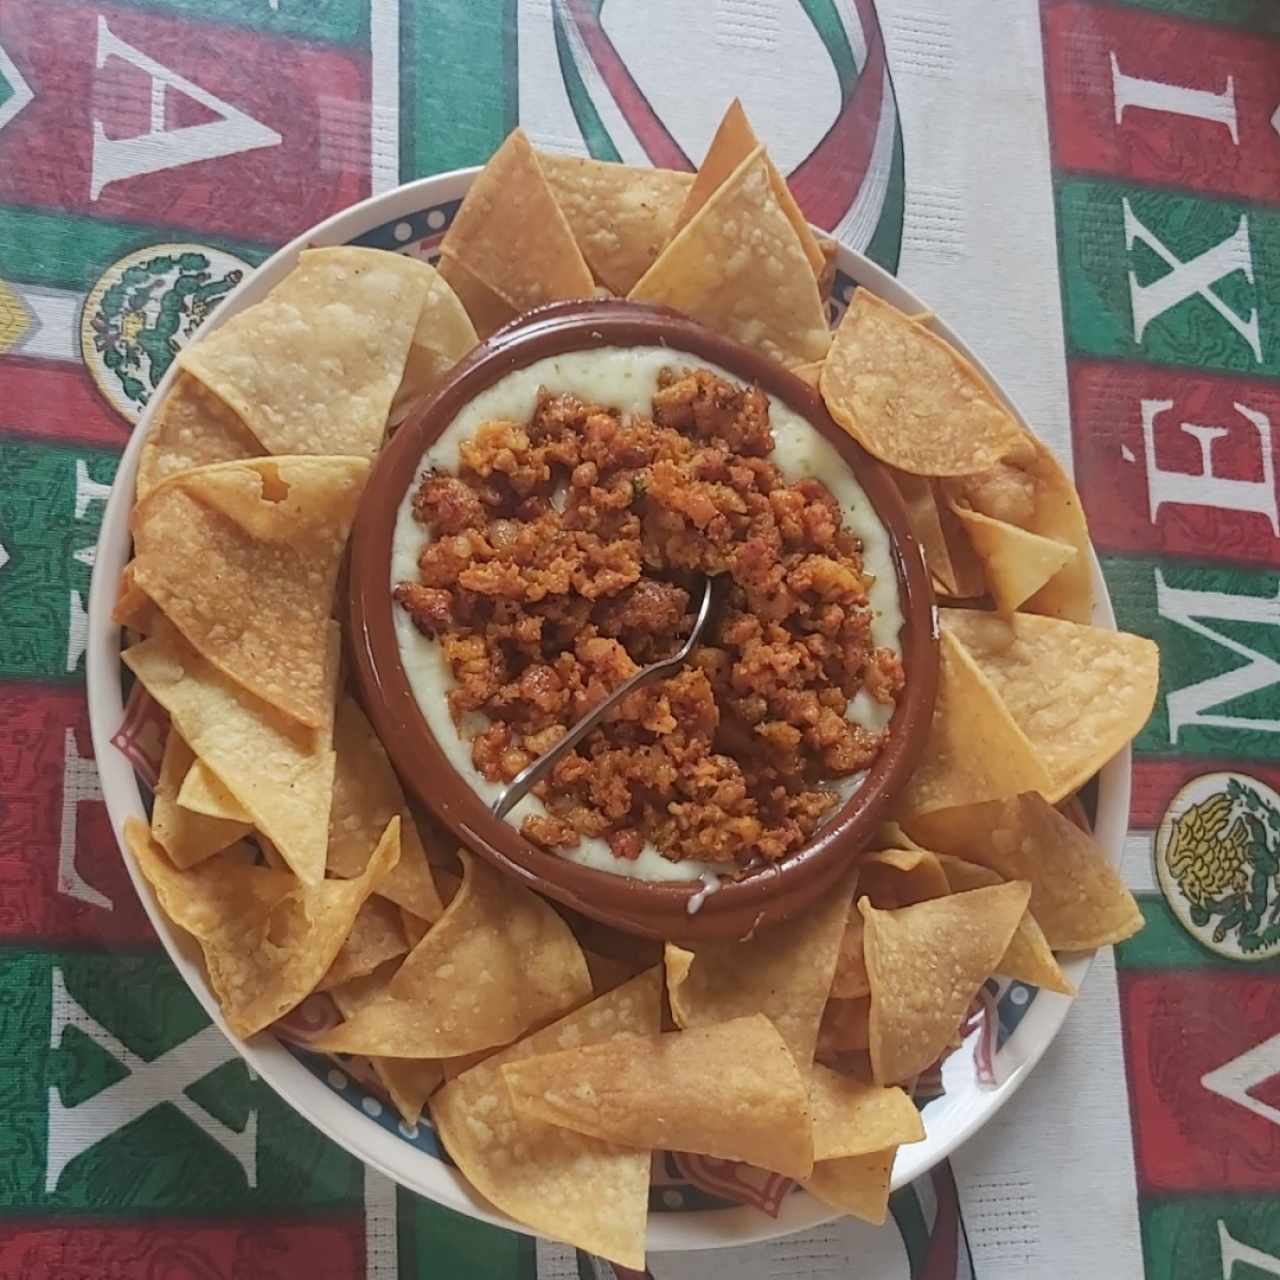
x,y
653,909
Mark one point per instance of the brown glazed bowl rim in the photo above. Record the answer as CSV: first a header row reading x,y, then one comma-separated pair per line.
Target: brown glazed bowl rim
x,y
655,909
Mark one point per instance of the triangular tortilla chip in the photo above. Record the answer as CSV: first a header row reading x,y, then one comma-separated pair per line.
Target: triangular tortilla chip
x,y
734,141
740,269
191,428
1077,897
621,215
853,1117
590,1194
498,962
899,877
810,373
730,1090
366,792
280,772
188,838
922,511
910,398
1059,515
410,1082
313,367
487,311
850,978
966,568
134,610
1015,563
512,236
1078,693
444,335
858,1185
263,960
202,793
376,936
845,1026
267,537
975,749
926,963
783,971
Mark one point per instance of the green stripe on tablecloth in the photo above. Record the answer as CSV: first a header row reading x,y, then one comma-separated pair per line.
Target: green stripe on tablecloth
x,y
459,92
78,1030
1192,1237
434,1242
1254,15
599,142
826,21
67,251
1205,592
885,248
340,21
1165,944
1097,292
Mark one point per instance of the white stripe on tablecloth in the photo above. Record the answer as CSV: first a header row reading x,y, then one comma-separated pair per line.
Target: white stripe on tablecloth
x,y
1136,865
384,104
55,327
381,1249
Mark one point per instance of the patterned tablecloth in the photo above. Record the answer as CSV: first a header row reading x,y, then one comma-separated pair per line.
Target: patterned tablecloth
x,y
1089,191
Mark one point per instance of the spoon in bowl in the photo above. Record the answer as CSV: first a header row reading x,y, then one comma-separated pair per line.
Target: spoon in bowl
x,y
533,773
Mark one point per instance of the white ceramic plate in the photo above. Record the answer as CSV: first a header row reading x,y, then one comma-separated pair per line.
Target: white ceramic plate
x,y
413,218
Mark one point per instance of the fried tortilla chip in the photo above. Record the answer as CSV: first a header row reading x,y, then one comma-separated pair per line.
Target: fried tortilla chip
x,y
975,748
858,1185
783,971
415,927
268,536
1059,515
740,269
926,963
497,963
366,792
1077,897
267,939
1078,693
201,792
729,1090
511,235
621,215
134,610
591,1194
845,1027
853,1117
487,311
809,373
410,1082
966,568
921,502
188,838
313,367
910,398
734,142
444,335
899,877
1015,563
280,772
850,978
376,936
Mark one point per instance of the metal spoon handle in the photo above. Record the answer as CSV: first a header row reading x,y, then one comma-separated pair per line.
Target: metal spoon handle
x,y
531,774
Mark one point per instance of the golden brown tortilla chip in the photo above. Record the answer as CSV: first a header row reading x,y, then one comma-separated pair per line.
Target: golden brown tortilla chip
x,y
740,269
858,1185
192,427
1078,693
845,1028
909,397
850,978
921,501
410,1082
487,311
587,1193
926,963
1077,897
975,748
366,792
267,939
134,610
188,838
853,1117
734,142
1015,563
1059,515
498,962
729,1090
511,235
444,334
621,215
783,971
376,936
243,558
415,927
201,792
899,877
810,373
280,772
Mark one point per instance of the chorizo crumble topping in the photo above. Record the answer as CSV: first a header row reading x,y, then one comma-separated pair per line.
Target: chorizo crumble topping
x,y
564,556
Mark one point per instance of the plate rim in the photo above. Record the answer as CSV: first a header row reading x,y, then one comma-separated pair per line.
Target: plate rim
x,y
341,1123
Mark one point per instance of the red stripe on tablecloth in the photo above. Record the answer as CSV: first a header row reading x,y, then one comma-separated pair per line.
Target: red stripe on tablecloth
x,y
1111,467
1178,1027
50,400
1156,782
321,1249
1153,145
39,727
